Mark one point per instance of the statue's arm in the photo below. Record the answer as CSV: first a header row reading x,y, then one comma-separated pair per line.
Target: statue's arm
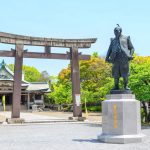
x,y
130,46
108,52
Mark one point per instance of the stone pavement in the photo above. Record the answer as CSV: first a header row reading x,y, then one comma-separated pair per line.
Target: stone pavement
x,y
33,117
92,117
61,136
43,117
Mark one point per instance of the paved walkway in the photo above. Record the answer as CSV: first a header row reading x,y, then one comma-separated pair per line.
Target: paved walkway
x,y
48,116
61,136
33,117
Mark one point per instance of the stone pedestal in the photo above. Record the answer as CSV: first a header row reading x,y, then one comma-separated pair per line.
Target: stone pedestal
x,y
121,121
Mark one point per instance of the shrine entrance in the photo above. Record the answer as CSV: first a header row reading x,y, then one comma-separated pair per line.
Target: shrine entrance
x,y
19,53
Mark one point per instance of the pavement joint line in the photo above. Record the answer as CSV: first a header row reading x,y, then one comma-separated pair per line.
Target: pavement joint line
x,y
49,123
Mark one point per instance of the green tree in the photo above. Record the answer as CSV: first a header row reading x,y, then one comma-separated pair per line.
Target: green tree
x,y
61,93
140,83
94,75
95,81
31,74
62,90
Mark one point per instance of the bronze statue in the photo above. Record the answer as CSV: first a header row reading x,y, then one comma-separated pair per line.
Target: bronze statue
x,y
120,53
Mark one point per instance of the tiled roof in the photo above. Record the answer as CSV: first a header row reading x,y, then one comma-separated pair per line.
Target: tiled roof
x,y
38,86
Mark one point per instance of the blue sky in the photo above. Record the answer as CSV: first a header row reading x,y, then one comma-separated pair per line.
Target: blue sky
x,y
75,19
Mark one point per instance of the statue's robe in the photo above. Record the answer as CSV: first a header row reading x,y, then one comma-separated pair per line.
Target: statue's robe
x,y
119,54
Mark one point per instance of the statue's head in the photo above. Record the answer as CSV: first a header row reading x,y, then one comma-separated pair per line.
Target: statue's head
x,y
117,31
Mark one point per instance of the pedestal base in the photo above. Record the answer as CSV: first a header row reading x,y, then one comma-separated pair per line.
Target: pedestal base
x,y
121,121
120,92
77,118
121,139
15,120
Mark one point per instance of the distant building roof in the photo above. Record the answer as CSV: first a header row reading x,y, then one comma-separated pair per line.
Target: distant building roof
x,y
38,86
6,73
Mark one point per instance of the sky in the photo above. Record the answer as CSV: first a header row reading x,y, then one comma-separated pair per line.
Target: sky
x,y
75,19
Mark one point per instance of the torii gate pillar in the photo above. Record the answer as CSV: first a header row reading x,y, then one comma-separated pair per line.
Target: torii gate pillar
x,y
75,77
17,81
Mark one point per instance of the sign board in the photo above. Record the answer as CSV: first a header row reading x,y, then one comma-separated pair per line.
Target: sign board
x,y
77,97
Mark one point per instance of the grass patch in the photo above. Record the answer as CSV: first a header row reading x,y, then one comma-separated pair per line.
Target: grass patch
x,y
92,108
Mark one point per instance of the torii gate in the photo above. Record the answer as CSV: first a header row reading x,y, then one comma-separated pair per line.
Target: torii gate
x,y
19,53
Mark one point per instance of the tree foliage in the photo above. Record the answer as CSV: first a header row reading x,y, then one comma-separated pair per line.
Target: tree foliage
x,y
140,83
94,77
140,77
61,94
61,88
31,74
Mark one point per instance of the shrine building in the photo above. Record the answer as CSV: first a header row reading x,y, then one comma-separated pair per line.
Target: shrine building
x,y
31,92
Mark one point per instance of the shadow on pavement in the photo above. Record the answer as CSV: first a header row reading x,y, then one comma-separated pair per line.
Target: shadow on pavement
x,y
87,140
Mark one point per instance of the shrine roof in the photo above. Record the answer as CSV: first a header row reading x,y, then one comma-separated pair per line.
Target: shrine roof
x,y
7,74
38,86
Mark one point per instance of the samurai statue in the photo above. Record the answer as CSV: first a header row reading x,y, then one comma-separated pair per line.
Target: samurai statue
x,y
120,53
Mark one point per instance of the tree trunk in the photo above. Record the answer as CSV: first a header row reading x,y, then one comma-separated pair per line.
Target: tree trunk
x,y
146,112
148,118
149,112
